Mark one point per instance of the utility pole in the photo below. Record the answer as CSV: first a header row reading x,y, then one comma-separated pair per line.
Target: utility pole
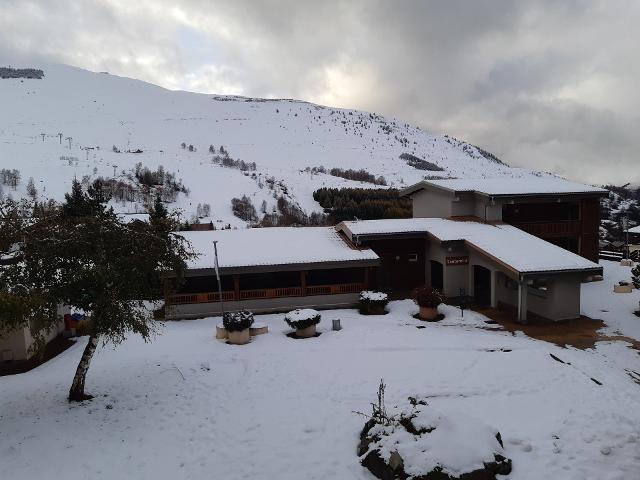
x,y
43,135
625,226
60,135
215,250
69,138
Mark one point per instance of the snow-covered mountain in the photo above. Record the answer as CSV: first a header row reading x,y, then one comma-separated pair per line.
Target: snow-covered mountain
x,y
77,123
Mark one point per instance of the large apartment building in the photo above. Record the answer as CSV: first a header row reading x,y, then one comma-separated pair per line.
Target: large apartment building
x,y
564,213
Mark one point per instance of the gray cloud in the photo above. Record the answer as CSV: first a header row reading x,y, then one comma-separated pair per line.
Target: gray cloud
x,y
548,85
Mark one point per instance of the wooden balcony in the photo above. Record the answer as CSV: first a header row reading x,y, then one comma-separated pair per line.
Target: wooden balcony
x,y
551,229
266,293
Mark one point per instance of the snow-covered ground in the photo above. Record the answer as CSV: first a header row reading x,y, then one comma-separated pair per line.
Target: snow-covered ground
x,y
189,406
93,112
616,309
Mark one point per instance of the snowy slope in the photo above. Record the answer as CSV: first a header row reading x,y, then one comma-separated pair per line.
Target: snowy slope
x,y
282,137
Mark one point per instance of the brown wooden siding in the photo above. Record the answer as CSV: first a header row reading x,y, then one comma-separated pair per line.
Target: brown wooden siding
x,y
397,272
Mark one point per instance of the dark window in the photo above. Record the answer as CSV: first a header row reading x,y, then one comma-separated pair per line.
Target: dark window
x,y
257,281
206,284
335,276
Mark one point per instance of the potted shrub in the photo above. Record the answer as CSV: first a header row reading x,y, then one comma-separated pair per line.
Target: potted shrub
x,y
623,287
373,303
428,300
304,321
237,325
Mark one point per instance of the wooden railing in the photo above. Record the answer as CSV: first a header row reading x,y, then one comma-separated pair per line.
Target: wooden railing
x,y
266,293
199,297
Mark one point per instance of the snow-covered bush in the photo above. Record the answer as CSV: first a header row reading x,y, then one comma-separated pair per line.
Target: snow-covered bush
x,y
419,441
237,321
373,303
302,318
428,297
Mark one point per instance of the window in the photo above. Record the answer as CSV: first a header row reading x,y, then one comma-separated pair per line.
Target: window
x,y
413,257
538,287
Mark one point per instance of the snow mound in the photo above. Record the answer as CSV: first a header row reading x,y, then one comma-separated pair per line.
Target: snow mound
x,y
419,441
371,296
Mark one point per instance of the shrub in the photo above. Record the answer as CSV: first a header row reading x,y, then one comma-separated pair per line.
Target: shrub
x,y
237,321
635,276
373,302
428,297
302,318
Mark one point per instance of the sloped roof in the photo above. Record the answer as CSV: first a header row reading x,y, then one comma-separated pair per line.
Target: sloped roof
x,y
250,247
509,186
515,248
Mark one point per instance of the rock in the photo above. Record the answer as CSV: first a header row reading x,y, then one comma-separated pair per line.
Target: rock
x,y
395,462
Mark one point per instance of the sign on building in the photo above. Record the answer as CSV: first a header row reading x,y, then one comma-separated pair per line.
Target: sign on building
x,y
462,260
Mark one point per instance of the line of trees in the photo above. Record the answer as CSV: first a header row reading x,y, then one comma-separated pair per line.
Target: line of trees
x,y
419,163
363,203
356,175
10,177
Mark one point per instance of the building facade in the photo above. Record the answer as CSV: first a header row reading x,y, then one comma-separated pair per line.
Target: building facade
x,y
481,239
564,213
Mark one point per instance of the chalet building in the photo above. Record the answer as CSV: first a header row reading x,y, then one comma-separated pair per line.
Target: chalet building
x,y
564,213
459,243
272,269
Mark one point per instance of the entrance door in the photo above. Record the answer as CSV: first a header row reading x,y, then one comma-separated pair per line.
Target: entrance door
x,y
437,280
481,286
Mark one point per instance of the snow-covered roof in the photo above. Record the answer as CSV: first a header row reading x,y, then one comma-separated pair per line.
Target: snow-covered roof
x,y
634,229
250,247
530,185
510,245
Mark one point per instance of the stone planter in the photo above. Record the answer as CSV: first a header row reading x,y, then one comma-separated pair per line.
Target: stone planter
x,y
308,332
428,313
221,332
622,288
373,309
239,338
258,328
626,262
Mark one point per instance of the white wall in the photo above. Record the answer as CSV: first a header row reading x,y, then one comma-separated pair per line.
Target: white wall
x,y
285,304
430,203
20,341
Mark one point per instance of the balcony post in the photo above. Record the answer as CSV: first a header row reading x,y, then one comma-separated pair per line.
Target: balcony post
x,y
303,283
236,287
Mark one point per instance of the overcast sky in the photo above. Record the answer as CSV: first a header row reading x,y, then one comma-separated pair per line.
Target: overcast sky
x,y
548,85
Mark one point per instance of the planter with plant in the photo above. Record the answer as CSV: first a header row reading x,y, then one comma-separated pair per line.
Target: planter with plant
x,y
373,303
237,325
428,300
623,287
304,321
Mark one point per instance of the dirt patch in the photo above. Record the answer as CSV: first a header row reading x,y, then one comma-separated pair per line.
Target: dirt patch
x,y
580,333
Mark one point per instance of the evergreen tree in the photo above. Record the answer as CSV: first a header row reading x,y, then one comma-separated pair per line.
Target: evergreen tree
x,y
635,276
31,189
